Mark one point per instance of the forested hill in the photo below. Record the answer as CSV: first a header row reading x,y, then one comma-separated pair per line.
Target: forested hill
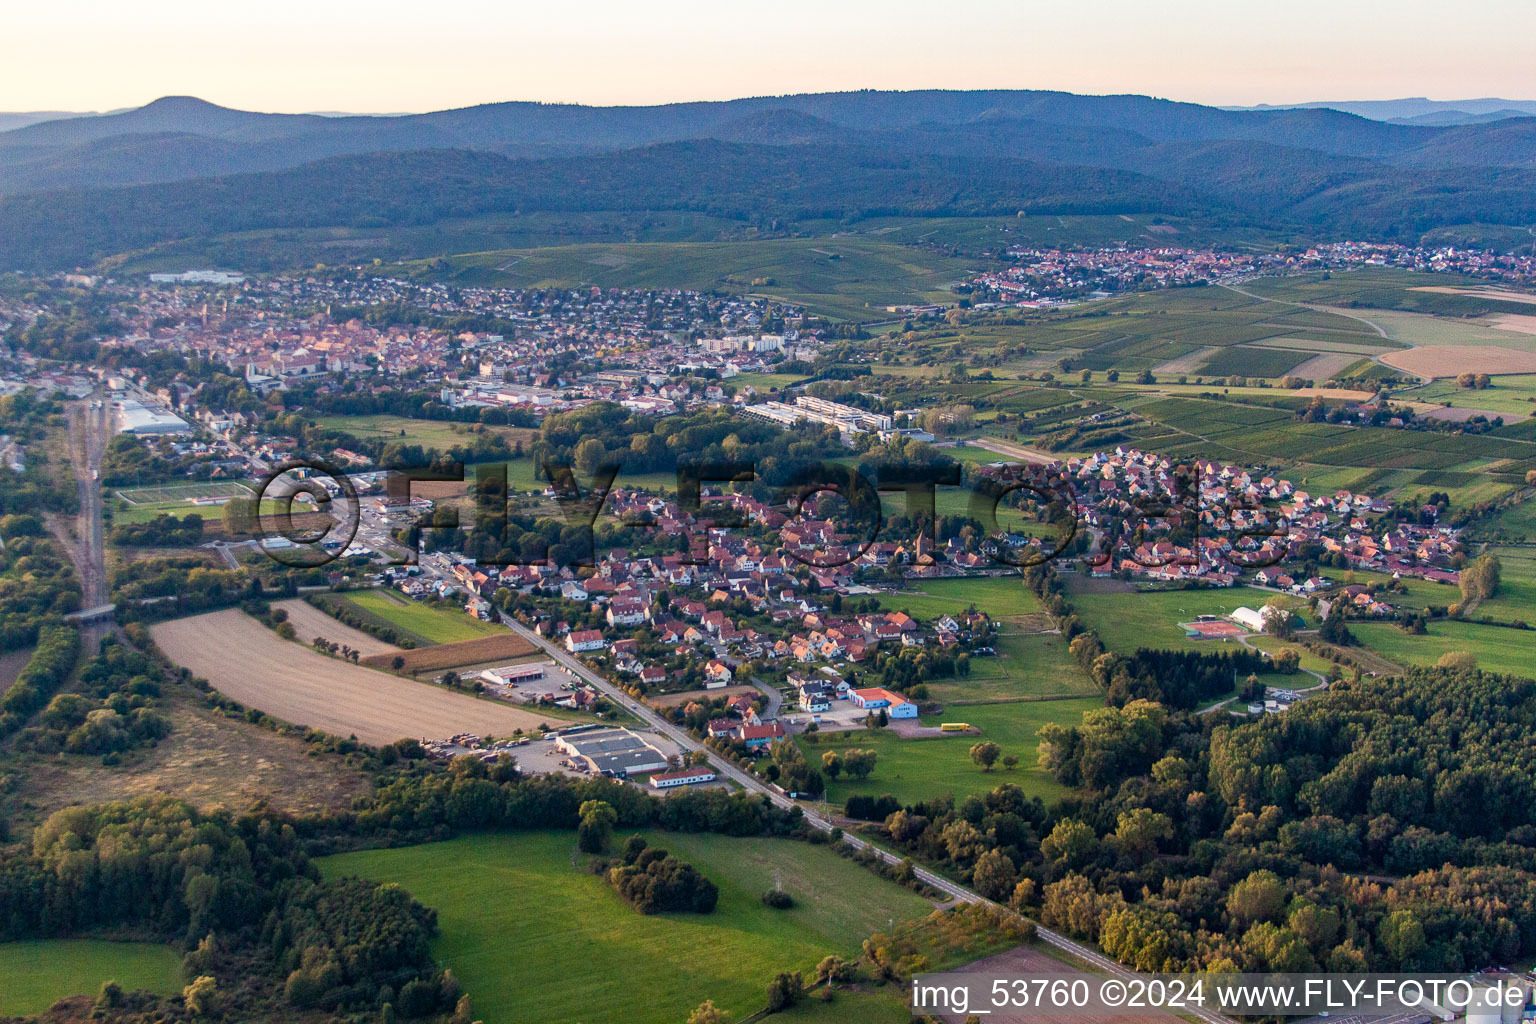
x,y
732,180
66,200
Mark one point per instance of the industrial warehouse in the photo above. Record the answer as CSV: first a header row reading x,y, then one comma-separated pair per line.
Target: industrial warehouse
x,y
616,752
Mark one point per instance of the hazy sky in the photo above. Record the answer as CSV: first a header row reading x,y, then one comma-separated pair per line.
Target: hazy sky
x,y
390,55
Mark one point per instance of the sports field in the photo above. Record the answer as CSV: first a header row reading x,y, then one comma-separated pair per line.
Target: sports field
x,y
435,625
534,938
296,684
35,975
440,434
176,493
919,769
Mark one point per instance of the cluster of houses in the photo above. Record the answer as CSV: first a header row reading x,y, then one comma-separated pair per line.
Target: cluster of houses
x,y
1247,523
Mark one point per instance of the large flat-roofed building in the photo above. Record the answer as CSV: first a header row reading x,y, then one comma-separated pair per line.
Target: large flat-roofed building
x,y
613,750
513,674
134,418
846,418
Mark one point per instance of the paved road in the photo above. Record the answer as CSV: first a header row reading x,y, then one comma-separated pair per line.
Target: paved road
x,y
775,698
750,782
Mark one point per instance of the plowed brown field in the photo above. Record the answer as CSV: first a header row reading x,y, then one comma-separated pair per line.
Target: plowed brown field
x,y
246,661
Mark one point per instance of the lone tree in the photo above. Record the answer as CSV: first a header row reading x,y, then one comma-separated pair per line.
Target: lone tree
x,y
785,991
709,1013
858,763
985,754
597,820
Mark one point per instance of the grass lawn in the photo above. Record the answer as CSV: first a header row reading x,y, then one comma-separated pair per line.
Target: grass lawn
x,y
427,433
1151,619
1001,597
38,974
438,625
531,937
1311,662
920,769
767,381
1026,665
1497,649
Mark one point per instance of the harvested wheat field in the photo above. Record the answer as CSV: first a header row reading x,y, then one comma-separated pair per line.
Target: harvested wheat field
x,y
1517,322
310,622
1344,394
1502,294
486,649
246,661
1450,360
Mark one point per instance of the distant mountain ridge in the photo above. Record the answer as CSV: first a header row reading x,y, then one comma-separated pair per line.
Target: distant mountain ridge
x,y
77,189
181,137
1418,109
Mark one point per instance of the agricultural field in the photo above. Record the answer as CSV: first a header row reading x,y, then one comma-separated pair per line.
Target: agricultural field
x,y
1496,648
532,936
1253,361
310,622
920,769
439,434
434,625
486,650
1386,289
851,277
1512,394
34,975
1208,428
296,684
1146,331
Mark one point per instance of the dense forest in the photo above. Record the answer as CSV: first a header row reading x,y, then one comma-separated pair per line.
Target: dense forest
x,y
38,585
1389,824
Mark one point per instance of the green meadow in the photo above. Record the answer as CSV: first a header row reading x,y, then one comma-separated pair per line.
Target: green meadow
x,y
533,937
921,769
1497,649
436,625
36,974
1126,621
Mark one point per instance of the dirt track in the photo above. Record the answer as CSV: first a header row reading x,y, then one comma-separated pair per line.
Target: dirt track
x,y
248,662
